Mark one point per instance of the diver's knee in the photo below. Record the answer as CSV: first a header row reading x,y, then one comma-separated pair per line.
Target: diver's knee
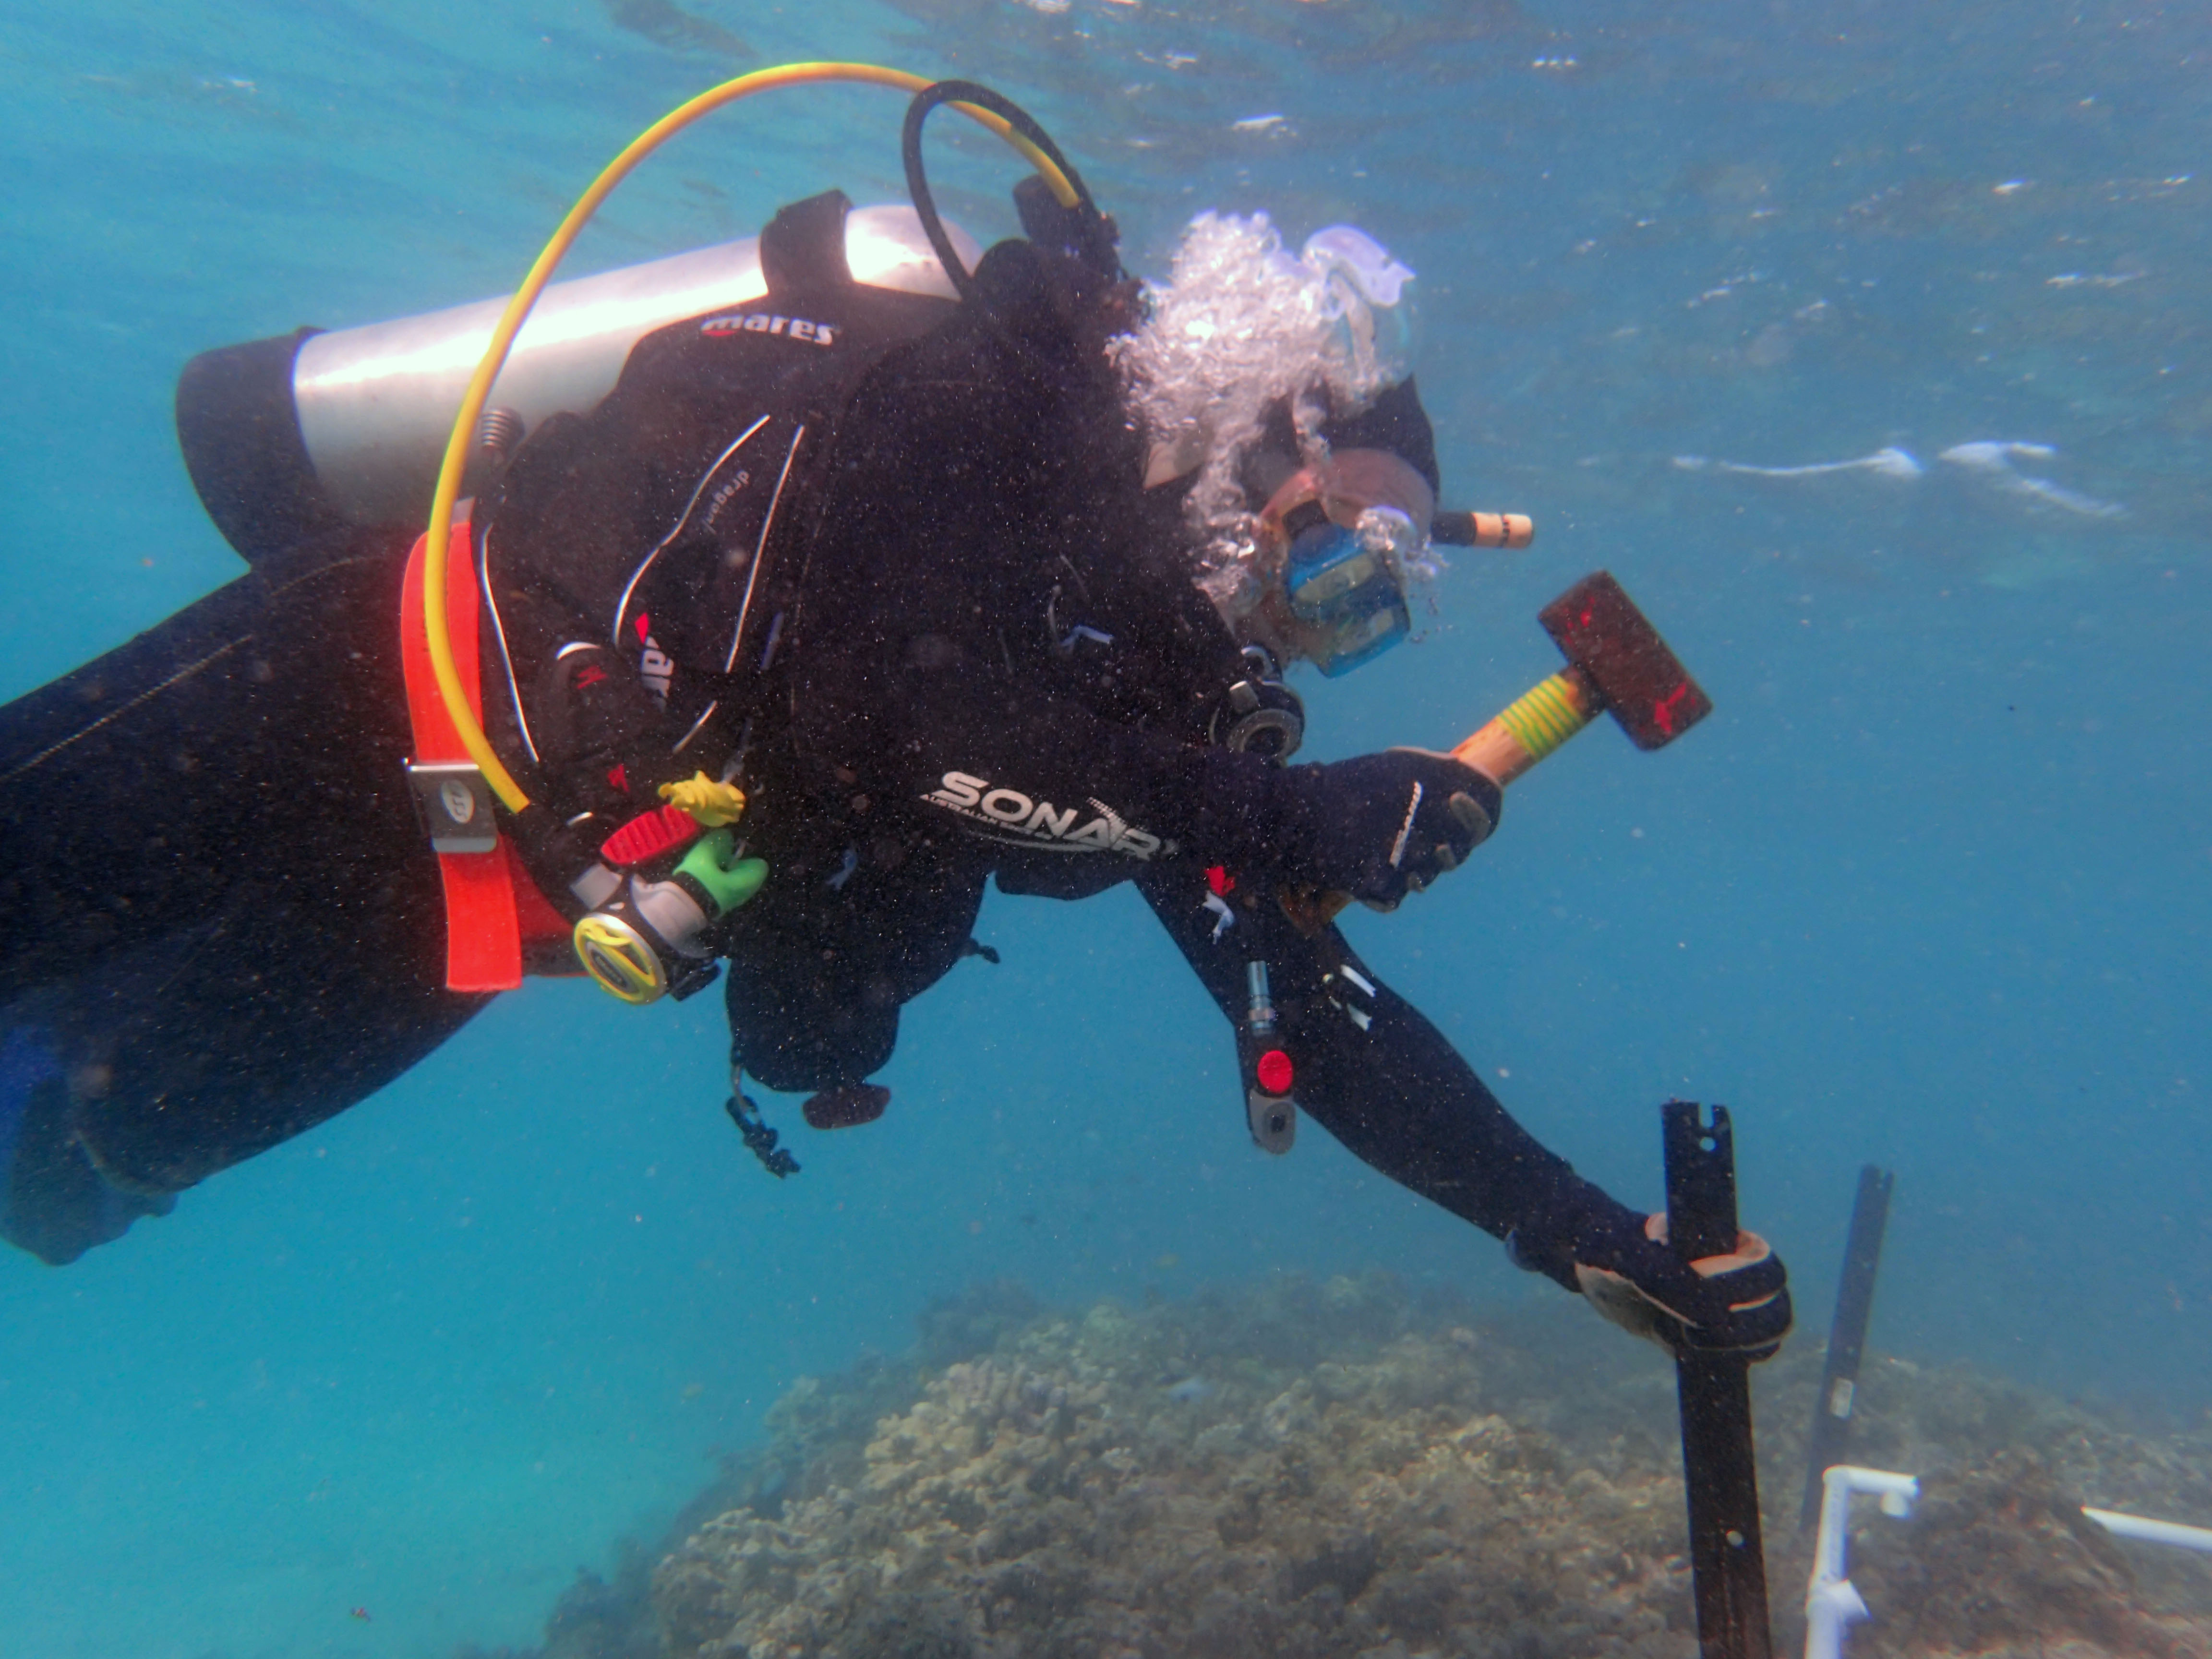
x,y
54,1201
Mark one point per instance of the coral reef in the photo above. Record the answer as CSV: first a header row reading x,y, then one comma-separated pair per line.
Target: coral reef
x,y
1303,1469
1999,1560
1074,1494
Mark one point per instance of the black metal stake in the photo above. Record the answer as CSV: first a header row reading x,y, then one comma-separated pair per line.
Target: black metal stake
x,y
1840,1378
1727,1561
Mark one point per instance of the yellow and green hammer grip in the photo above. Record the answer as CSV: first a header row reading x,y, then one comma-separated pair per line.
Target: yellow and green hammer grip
x,y
1531,726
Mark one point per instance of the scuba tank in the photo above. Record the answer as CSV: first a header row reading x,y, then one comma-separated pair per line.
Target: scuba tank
x,y
313,432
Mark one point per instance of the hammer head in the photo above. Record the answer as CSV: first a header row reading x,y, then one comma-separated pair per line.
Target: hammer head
x,y
1600,631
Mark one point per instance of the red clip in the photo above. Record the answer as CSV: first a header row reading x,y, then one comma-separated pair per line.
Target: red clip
x,y
1220,881
1275,1072
648,836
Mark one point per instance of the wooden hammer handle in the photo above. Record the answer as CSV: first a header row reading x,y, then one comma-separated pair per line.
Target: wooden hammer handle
x,y
1532,725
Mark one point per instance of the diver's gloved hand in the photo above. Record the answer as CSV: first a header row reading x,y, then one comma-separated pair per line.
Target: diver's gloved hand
x,y
1379,826
1734,1304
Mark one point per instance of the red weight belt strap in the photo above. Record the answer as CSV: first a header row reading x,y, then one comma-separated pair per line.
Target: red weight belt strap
x,y
491,906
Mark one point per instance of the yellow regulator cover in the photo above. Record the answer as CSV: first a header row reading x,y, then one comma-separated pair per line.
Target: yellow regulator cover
x,y
622,963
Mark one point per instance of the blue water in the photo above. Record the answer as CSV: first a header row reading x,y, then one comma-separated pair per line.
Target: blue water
x,y
1931,888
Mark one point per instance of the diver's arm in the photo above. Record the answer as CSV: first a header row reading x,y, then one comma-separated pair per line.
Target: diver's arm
x,y
943,733
1386,1083
985,756
1377,1075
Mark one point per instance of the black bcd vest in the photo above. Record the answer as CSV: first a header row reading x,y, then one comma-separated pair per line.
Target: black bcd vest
x,y
670,523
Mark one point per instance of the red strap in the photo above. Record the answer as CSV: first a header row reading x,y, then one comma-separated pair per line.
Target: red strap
x,y
487,900
661,830
538,919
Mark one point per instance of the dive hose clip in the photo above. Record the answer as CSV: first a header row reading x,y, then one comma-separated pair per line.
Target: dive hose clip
x,y
760,1140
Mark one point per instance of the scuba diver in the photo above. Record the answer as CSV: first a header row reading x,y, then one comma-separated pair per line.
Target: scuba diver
x,y
850,597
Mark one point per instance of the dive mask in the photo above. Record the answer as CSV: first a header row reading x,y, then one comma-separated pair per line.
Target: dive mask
x,y
1343,587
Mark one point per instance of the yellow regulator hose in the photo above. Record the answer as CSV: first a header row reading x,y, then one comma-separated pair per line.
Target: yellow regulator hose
x,y
518,309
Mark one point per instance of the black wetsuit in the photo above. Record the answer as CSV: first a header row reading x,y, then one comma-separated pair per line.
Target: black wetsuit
x,y
924,611
222,926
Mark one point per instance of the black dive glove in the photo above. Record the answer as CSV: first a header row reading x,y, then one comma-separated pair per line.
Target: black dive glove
x,y
1621,1262
1379,826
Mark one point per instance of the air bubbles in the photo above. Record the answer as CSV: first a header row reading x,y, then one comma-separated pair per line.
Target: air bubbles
x,y
1240,326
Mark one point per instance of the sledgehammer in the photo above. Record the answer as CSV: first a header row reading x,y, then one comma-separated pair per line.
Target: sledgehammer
x,y
1617,664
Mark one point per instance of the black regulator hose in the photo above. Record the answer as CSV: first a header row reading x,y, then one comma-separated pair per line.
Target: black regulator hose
x,y
924,205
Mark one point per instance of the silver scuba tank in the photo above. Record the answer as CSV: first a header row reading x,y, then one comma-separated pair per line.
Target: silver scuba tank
x,y
308,433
